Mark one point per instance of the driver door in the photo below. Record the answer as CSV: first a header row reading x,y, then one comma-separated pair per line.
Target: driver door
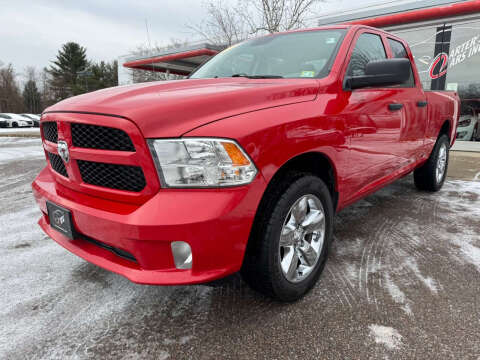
x,y
373,121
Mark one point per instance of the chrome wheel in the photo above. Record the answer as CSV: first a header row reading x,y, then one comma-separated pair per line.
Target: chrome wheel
x,y
441,163
302,238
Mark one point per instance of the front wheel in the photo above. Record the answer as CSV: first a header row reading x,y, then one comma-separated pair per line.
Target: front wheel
x,y
292,238
431,175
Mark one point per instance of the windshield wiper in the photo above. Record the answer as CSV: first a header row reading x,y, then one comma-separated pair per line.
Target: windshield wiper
x,y
258,76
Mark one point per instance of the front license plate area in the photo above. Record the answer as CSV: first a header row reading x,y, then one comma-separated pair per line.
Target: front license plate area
x,y
60,219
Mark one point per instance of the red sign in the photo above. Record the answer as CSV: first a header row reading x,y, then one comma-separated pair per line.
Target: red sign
x,y
438,68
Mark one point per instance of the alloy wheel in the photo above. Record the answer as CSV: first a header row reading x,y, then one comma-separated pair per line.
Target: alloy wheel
x,y
302,238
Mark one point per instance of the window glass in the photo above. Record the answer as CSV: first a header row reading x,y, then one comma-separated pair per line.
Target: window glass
x,y
3,116
463,74
422,42
399,52
292,55
398,49
369,47
466,110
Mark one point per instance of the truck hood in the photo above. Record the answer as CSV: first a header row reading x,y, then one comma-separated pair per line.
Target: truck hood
x,y
172,108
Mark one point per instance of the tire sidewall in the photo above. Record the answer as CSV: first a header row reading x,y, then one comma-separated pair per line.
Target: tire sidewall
x,y
443,140
306,185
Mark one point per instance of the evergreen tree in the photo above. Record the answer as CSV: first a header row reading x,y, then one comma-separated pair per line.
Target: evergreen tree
x,y
32,98
102,75
71,60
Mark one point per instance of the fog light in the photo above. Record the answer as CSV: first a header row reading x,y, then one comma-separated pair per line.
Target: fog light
x,y
182,254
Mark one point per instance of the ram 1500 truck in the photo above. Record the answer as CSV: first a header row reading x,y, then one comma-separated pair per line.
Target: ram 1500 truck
x,y
242,166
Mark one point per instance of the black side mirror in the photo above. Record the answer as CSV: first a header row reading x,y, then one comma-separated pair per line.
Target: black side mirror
x,y
381,73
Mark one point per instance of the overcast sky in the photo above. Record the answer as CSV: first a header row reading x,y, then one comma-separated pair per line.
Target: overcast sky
x,y
32,31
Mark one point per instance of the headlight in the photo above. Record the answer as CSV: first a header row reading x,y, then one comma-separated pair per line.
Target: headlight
x,y
464,123
201,162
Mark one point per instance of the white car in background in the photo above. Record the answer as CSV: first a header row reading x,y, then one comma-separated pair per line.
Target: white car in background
x,y
15,120
468,125
34,118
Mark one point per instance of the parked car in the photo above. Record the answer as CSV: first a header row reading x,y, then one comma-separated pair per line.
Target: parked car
x,y
35,118
243,166
468,125
15,120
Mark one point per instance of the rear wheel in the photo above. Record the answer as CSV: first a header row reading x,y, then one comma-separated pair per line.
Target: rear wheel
x,y
292,236
431,175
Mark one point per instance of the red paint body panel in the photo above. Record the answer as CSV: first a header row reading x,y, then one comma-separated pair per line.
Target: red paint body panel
x,y
276,120
171,108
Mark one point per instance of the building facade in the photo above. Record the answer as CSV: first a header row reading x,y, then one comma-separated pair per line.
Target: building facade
x,y
444,37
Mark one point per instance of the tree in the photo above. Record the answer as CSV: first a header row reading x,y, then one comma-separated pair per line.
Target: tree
x,y
32,98
101,75
71,59
224,25
10,98
47,92
228,25
280,15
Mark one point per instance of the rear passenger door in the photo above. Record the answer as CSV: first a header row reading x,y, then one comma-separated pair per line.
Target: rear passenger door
x,y
414,103
373,128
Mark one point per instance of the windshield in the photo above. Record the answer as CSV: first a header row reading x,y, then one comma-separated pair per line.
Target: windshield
x,y
293,55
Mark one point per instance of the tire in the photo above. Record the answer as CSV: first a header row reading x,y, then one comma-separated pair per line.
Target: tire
x,y
262,268
475,134
427,177
14,125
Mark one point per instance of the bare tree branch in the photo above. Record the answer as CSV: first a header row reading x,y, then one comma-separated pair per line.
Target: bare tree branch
x,y
228,25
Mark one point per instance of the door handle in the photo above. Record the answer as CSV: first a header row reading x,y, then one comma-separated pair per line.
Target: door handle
x,y
395,106
422,103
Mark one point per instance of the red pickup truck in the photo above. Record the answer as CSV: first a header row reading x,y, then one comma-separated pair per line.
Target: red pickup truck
x,y
243,166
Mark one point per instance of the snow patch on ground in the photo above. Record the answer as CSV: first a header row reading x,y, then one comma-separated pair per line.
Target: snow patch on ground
x,y
397,295
470,253
182,341
24,130
12,149
426,280
387,336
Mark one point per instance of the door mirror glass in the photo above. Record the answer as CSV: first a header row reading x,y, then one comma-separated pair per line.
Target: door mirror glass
x,y
386,72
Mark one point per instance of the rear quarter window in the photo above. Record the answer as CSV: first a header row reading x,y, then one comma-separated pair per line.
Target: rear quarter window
x,y
369,47
399,52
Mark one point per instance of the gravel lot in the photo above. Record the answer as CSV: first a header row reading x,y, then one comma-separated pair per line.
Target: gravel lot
x,y
402,282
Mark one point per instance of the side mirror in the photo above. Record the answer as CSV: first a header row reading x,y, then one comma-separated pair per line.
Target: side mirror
x,y
381,73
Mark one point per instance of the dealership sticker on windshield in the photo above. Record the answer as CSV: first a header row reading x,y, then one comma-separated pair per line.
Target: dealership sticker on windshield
x,y
307,74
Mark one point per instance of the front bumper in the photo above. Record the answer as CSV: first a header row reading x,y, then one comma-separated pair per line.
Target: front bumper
x,y
215,222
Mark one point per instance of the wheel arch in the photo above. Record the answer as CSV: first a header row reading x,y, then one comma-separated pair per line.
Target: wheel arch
x,y
446,129
316,163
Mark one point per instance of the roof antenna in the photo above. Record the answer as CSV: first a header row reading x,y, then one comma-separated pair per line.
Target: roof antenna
x,y
149,44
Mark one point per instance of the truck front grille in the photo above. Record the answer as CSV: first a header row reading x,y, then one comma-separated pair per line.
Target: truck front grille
x,y
114,176
57,164
50,131
100,137
108,156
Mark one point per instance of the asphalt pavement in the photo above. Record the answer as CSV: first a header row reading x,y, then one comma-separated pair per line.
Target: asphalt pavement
x,y
402,282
